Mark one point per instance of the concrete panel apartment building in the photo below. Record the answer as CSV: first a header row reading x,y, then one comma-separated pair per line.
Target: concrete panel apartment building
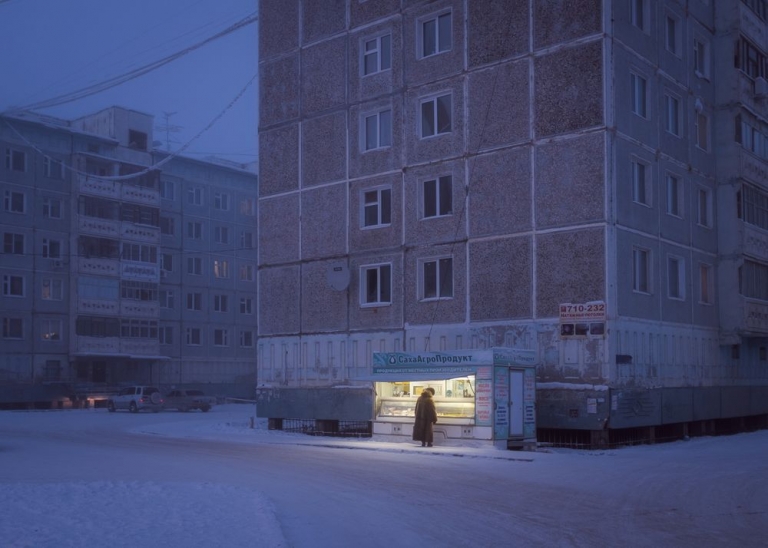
x,y
476,166
121,265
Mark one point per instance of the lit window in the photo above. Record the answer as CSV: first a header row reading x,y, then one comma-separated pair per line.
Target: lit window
x,y
50,330
221,268
437,279
378,130
435,34
438,197
377,54
377,207
640,270
376,285
436,116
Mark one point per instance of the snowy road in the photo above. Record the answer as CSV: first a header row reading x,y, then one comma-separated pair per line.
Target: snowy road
x,y
231,485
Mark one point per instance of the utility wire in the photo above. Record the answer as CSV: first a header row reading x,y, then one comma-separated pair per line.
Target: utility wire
x,y
121,79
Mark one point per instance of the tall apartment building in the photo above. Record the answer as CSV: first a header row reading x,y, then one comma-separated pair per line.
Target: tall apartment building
x,y
92,227
584,179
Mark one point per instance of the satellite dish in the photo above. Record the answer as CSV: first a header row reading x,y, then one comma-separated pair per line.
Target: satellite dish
x,y
338,276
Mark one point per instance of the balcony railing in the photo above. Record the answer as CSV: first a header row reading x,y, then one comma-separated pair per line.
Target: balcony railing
x,y
98,187
143,233
98,307
98,227
100,267
139,309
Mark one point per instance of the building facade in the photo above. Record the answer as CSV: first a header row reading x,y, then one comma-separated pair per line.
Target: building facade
x,y
463,174
90,243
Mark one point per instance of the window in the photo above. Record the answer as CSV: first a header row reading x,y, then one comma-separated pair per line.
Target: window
x,y
166,334
672,118
138,291
138,329
248,207
13,286
195,230
639,95
673,35
221,337
167,190
195,266
15,160
436,116
52,289
221,201
194,301
246,338
137,139
141,253
246,273
94,326
50,330
640,270
435,34
221,234
437,196
13,244
167,226
140,215
53,168
195,196
166,262
13,328
674,196
220,303
750,137
14,202
675,278
437,279
706,284
378,130
701,58
103,289
702,131
167,299
641,188
757,6
749,59
640,14
705,207
51,249
221,268
377,207
376,284
377,54
246,305
97,207
193,336
52,208
246,240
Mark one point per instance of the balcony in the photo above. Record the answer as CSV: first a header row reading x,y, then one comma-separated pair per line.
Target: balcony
x,y
144,272
756,317
755,242
97,345
141,233
750,24
139,309
99,267
140,195
94,226
97,307
140,347
753,168
97,187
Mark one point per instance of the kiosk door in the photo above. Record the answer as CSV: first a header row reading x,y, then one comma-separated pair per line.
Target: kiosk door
x,y
516,404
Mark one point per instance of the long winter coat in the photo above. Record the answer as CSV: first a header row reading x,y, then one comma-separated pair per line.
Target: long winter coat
x,y
426,416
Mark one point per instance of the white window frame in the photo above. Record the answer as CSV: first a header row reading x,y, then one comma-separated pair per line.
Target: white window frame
x,y
246,239
220,268
673,43
51,330
195,266
441,43
221,201
52,289
195,301
702,119
379,44
701,57
639,86
440,265
220,337
194,230
10,161
9,199
166,262
194,333
246,338
221,234
706,284
246,305
195,195
18,243
379,205
9,283
165,334
675,195
641,182
50,206
641,270
52,249
673,122
383,271
676,291
167,299
440,183
221,303
381,122
704,207
640,14
434,100
167,190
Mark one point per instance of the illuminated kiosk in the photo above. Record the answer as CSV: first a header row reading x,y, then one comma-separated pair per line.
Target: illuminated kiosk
x,y
487,395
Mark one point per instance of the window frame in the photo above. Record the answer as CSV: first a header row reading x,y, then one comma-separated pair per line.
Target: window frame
x,y
701,57
634,79
9,328
382,140
14,243
439,185
647,196
194,301
707,134
435,99
383,213
50,205
679,291
380,269
50,171
195,266
640,15
378,51
9,199
671,100
14,286
674,186
706,205
190,336
220,337
439,281
11,158
55,288
640,271
54,329
438,46
676,47
706,284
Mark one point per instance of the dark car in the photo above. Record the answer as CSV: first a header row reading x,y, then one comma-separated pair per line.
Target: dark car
x,y
184,400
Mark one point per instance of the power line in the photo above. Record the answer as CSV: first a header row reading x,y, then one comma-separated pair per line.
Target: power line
x,y
131,75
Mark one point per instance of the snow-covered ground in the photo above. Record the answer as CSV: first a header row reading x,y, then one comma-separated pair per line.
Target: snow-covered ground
x,y
48,499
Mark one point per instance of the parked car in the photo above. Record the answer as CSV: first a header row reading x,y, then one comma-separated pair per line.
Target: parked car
x,y
184,400
137,398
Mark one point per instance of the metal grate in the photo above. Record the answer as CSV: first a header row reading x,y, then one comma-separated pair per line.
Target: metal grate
x,y
332,428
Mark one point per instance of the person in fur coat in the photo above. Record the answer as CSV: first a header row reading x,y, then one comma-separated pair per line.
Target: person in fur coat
x,y
426,416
